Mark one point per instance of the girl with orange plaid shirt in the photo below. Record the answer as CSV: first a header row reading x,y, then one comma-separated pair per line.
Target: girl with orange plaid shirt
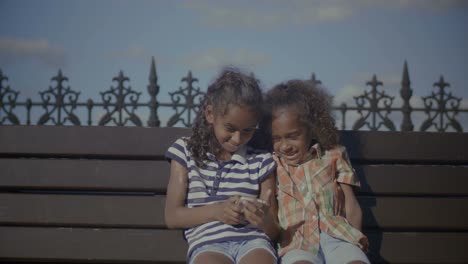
x,y
318,212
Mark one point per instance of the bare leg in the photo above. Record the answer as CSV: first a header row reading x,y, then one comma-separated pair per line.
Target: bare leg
x,y
258,256
212,258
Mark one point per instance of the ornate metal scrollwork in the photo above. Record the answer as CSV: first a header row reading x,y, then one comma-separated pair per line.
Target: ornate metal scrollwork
x,y
120,104
441,109
8,99
373,111
59,103
184,101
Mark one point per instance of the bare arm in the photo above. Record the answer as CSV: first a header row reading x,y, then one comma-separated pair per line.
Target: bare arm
x,y
352,207
177,215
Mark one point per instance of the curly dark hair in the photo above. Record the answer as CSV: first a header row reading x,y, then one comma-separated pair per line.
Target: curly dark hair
x,y
232,87
313,104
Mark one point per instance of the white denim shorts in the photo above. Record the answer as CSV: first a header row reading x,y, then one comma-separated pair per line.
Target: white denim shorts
x,y
235,250
331,251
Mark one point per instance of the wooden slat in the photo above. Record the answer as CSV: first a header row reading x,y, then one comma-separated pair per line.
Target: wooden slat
x,y
137,246
153,142
82,210
388,213
406,147
414,213
82,174
152,176
86,141
412,247
413,179
427,195
92,245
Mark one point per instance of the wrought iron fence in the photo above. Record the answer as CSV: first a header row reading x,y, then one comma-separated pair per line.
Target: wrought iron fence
x,y
58,105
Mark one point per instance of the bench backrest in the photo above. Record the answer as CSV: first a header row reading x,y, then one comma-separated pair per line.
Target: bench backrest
x,y
96,195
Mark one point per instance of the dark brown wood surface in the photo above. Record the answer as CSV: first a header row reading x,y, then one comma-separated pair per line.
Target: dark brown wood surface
x,y
148,245
413,213
91,244
153,142
116,142
96,195
410,180
407,147
85,174
153,175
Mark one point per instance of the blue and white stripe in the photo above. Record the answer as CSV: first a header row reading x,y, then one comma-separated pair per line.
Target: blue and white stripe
x,y
242,175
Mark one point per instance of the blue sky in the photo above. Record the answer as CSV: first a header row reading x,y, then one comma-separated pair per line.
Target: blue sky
x,y
343,42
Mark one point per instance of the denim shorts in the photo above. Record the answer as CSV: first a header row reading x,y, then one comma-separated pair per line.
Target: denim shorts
x,y
331,251
235,250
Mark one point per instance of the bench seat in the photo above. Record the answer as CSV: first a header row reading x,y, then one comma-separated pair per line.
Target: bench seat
x,y
96,195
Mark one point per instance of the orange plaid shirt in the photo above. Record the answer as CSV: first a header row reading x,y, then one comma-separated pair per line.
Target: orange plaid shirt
x,y
310,201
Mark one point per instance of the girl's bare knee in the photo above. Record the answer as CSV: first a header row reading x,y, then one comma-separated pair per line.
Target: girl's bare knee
x,y
212,258
260,256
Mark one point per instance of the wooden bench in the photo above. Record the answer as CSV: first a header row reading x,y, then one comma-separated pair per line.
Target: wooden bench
x,y
96,195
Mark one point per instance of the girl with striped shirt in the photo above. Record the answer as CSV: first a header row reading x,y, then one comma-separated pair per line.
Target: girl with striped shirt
x,y
220,189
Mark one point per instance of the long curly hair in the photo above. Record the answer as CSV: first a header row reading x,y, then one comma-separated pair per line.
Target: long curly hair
x,y
232,87
313,104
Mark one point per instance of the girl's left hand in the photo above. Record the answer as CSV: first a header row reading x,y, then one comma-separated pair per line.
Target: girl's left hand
x,y
255,211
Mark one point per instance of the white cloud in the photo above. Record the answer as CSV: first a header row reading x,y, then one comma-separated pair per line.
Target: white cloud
x,y
464,103
306,14
391,85
423,5
216,58
14,49
267,15
133,52
346,94
462,117
388,80
392,80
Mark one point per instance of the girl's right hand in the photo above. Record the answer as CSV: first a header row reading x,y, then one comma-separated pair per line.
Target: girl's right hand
x,y
229,211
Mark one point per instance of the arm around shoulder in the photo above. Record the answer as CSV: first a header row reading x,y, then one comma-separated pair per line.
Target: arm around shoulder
x,y
352,207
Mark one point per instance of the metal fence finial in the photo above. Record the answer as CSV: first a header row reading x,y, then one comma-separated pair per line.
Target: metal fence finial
x,y
406,94
153,90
